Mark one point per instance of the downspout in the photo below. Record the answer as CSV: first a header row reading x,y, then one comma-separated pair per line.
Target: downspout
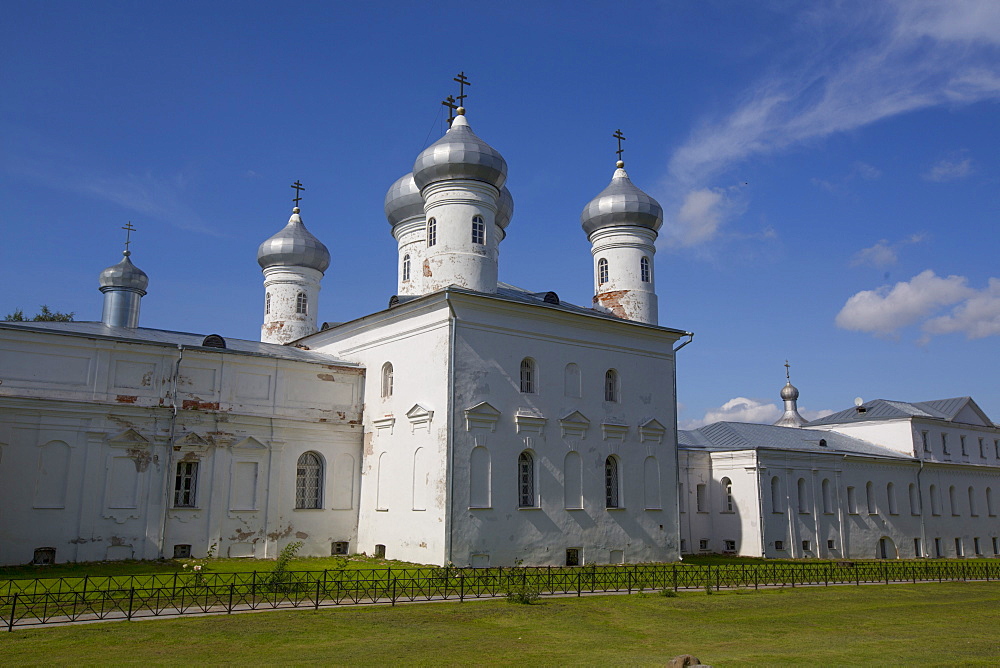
x,y
450,437
920,501
760,504
677,453
170,449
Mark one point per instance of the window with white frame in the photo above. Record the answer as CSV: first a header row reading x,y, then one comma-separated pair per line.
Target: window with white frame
x,y
729,545
267,303
959,548
602,271
302,303
406,267
644,272
944,443
703,545
308,481
977,547
727,495
432,232
611,499
528,376
611,385
186,485
927,443
478,230
387,379
526,480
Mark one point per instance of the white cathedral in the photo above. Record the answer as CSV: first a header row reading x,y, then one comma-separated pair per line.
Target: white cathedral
x,y
470,422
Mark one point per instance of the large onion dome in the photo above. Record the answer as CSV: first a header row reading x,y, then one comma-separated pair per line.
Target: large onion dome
x,y
124,275
505,208
403,200
459,154
294,246
621,204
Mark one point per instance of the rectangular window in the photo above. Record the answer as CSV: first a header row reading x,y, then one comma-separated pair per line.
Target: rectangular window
x,y
805,546
944,443
916,548
701,500
937,548
339,547
432,235
852,501
996,545
977,547
779,545
186,485
830,545
959,548
927,444
478,230
573,556
703,545
961,440
982,447
730,545
684,546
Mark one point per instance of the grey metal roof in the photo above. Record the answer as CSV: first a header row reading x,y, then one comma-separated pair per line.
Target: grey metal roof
x,y
459,154
622,203
124,275
883,409
166,337
750,436
403,200
294,246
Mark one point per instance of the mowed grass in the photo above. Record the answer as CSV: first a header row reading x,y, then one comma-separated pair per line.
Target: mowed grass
x,y
929,624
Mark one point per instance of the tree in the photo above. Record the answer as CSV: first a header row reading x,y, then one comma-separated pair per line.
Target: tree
x,y
45,315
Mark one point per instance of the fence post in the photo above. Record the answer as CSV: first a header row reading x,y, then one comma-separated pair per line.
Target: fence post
x,y
461,587
674,568
549,567
319,583
232,586
13,610
578,584
394,592
86,579
628,579
253,586
173,592
131,597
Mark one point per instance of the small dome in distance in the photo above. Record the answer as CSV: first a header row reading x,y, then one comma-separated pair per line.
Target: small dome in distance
x,y
124,275
621,204
403,200
294,246
460,154
789,392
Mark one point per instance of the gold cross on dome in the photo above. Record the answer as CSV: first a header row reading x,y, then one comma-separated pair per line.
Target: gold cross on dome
x,y
129,229
298,197
463,81
620,137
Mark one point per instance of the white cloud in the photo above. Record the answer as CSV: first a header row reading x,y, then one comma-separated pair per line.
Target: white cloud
x,y
977,317
848,67
949,170
884,310
698,218
742,409
880,255
866,171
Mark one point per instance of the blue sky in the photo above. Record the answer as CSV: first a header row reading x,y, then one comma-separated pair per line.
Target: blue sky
x,y
830,172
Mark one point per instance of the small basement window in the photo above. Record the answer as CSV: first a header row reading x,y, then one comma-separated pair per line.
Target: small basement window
x,y
339,547
44,556
182,551
573,556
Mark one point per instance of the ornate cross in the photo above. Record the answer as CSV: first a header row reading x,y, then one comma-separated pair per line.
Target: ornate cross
x,y
463,81
620,137
787,367
450,103
128,233
298,198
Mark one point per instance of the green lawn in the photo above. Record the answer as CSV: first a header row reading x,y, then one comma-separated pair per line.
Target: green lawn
x,y
927,624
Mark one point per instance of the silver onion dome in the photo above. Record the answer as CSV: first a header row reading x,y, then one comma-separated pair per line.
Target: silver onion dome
x,y
403,200
789,392
505,208
124,275
459,154
294,246
621,204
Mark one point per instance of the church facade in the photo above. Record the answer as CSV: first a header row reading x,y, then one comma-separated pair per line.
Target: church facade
x,y
470,422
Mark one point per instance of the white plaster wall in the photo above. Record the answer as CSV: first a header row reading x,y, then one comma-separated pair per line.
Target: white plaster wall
x,y
283,324
625,294
894,434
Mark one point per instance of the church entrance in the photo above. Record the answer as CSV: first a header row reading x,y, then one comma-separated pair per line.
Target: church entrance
x,y
887,549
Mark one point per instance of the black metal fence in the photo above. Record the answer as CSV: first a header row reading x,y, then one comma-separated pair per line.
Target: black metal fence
x,y
31,602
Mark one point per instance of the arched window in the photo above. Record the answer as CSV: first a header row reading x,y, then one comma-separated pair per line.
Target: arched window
x,y
644,272
803,496
302,303
406,267
528,376
972,502
309,481
870,494
602,271
525,480
890,494
478,230
387,379
267,303
611,385
776,503
952,500
935,501
827,496
432,232
611,482
727,495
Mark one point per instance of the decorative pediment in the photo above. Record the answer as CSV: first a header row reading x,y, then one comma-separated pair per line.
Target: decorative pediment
x,y
420,418
249,443
129,438
575,425
387,422
613,431
191,443
651,430
481,416
529,421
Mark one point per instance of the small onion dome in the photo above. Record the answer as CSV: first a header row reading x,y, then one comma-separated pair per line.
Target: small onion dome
x,y
459,154
789,392
505,208
621,204
403,200
124,275
294,246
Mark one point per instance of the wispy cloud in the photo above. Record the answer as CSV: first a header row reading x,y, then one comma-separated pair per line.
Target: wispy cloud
x,y
923,299
949,170
883,254
846,69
